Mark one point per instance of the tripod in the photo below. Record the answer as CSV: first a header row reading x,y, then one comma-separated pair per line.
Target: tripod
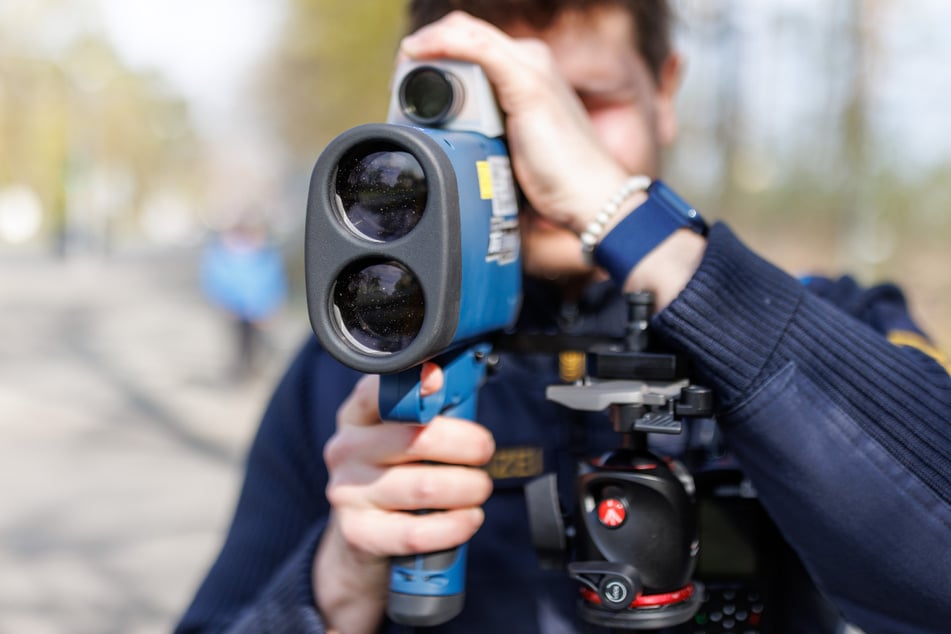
x,y
634,539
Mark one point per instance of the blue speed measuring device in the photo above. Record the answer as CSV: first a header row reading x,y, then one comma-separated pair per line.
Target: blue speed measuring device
x,y
412,254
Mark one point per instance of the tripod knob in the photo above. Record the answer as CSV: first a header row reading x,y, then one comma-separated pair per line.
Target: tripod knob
x,y
695,400
616,584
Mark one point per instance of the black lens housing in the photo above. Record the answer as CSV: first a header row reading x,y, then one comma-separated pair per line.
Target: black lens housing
x,y
430,251
379,304
381,190
429,95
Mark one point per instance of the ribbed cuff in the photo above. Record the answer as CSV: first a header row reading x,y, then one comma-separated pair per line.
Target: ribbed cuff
x,y
731,315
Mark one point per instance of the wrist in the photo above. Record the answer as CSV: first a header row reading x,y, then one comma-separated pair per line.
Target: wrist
x,y
667,269
350,589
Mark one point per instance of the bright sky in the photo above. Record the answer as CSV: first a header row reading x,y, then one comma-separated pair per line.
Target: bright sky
x,y
203,46
785,48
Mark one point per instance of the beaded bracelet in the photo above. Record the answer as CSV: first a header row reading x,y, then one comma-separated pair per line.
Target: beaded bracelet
x,y
591,234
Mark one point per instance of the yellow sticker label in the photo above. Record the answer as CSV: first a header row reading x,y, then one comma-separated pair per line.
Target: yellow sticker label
x,y
485,180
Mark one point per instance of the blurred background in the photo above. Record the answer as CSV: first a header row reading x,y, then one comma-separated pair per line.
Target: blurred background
x,y
154,156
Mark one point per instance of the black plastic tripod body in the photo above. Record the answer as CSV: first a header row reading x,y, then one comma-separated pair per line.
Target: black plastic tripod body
x,y
634,535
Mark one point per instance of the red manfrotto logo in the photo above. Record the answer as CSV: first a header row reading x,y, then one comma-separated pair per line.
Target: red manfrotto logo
x,y
611,512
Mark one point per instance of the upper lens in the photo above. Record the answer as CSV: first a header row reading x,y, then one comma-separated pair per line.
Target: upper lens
x,y
427,95
380,304
383,192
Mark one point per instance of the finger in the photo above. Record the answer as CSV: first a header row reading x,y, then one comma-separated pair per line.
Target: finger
x,y
455,31
445,440
383,533
463,37
431,379
452,441
362,406
411,488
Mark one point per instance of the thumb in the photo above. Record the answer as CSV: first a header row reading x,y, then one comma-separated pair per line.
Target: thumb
x,y
431,379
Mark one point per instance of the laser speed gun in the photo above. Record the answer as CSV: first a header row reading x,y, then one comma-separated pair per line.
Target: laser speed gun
x,y
412,253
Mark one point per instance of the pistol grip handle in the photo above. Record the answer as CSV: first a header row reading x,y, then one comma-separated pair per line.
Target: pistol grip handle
x,y
427,589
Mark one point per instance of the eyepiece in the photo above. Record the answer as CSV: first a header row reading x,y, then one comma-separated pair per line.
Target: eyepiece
x,y
429,96
382,191
379,305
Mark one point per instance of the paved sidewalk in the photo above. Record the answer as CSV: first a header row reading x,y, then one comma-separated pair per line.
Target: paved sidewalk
x,y
121,439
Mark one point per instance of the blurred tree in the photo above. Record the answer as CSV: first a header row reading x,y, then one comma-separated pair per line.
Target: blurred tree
x,y
33,127
330,70
868,239
795,128
88,134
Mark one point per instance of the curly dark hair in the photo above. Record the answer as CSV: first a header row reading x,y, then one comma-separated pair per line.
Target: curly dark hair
x,y
652,18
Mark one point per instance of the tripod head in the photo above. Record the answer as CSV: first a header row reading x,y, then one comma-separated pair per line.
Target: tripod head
x,y
633,541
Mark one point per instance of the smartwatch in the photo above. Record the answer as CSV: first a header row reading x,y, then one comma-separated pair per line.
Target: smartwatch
x,y
636,235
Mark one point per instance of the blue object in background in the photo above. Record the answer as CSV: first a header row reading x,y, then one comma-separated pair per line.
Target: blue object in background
x,y
245,277
242,272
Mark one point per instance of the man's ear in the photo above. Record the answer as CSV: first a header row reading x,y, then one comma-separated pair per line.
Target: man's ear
x,y
671,72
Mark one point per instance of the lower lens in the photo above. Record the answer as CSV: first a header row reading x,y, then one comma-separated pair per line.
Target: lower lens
x,y
380,305
383,192
427,95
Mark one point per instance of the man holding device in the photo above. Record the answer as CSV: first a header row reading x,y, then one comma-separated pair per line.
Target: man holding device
x,y
843,434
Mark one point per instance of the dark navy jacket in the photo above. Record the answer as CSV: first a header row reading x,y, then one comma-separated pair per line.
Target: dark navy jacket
x,y
845,435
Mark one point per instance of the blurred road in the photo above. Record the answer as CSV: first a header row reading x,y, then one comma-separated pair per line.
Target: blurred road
x,y
121,438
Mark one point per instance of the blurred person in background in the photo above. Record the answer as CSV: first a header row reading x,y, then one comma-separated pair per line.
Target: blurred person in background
x,y
830,398
242,273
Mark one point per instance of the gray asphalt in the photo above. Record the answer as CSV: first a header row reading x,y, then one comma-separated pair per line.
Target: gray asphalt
x,y
122,436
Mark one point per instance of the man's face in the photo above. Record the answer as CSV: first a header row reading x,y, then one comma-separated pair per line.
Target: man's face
x,y
632,115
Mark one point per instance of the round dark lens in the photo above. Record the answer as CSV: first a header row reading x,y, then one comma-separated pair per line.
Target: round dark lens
x,y
380,305
383,193
426,95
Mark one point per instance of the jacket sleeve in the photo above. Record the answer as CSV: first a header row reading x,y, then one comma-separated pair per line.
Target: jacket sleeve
x,y
845,434
261,579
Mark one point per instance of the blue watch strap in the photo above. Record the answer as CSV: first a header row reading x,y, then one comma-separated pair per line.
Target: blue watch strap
x,y
643,229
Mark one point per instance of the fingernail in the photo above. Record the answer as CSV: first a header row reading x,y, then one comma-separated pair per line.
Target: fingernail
x,y
410,45
475,516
